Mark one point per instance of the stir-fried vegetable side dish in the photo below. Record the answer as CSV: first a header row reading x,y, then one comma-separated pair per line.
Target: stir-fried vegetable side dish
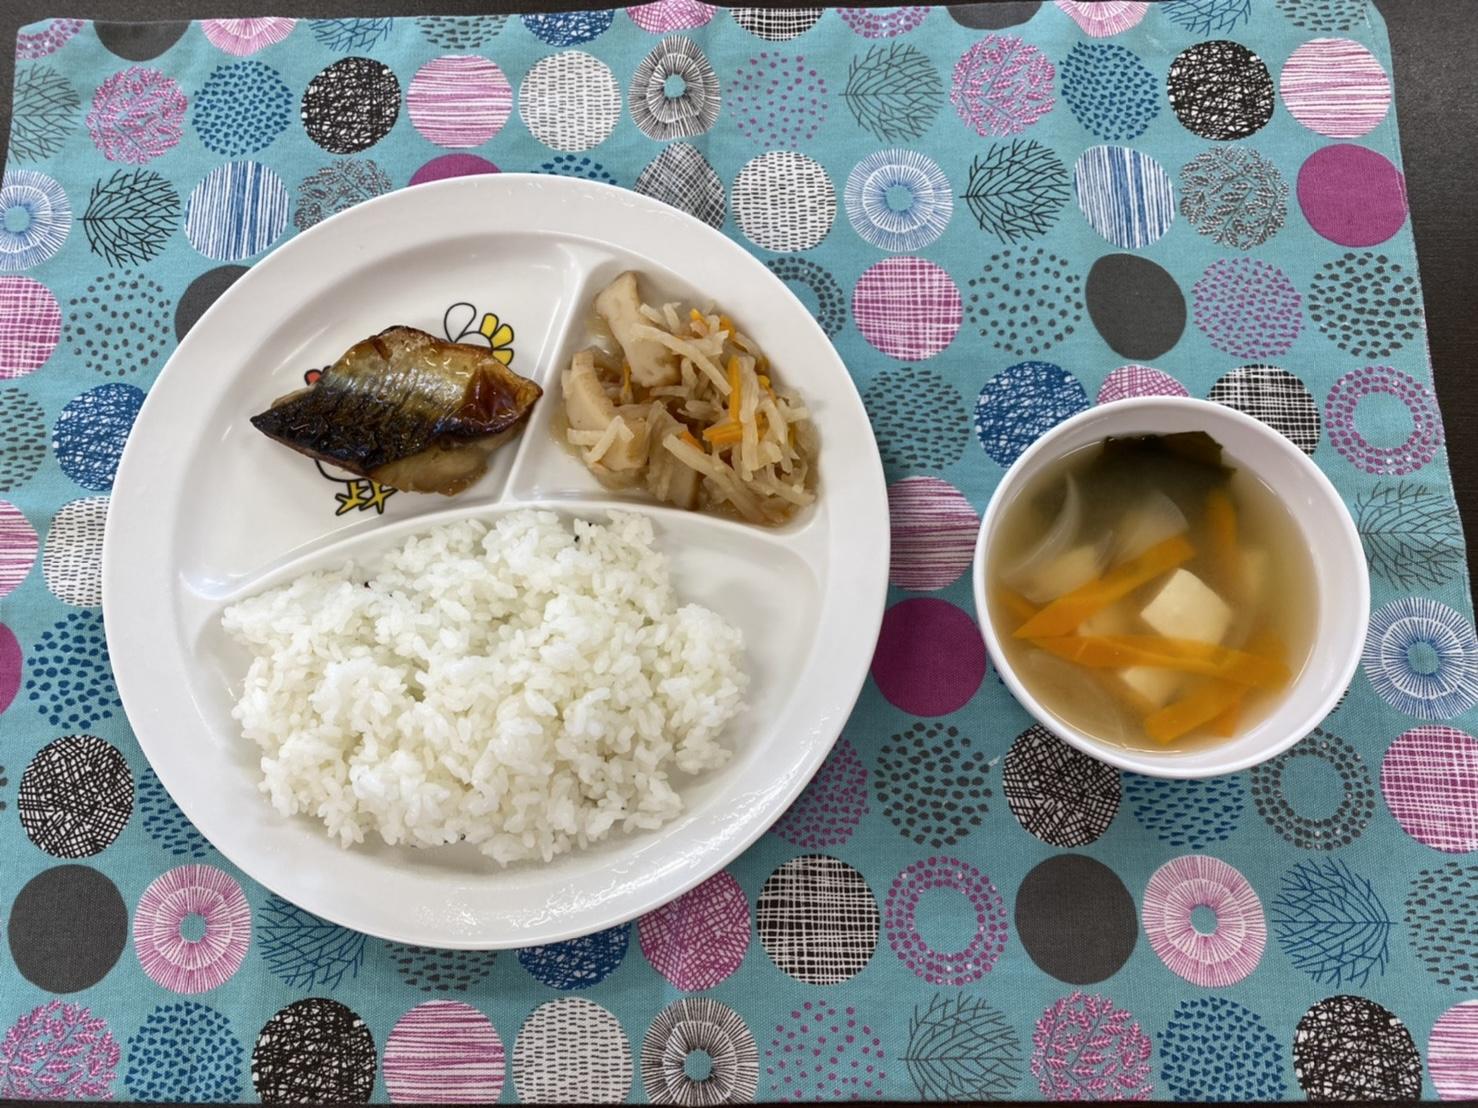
x,y
1151,594
680,402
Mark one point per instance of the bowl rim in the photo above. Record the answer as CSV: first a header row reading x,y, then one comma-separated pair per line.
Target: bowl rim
x,y
1147,762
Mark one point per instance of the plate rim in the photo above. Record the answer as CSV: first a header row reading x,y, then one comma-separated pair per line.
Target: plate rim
x,y
870,608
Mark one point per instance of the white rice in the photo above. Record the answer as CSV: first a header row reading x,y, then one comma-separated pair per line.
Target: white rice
x,y
528,687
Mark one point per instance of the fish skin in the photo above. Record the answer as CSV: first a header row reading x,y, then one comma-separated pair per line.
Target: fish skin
x,y
402,394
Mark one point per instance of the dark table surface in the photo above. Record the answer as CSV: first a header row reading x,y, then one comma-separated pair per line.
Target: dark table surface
x,y
1436,51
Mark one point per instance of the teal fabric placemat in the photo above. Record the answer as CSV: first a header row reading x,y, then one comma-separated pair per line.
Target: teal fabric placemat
x,y
1001,214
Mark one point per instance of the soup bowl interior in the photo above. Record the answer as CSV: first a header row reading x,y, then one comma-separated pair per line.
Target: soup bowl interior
x,y
1323,524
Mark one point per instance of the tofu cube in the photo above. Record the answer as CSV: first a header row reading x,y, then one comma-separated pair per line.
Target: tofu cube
x,y
1156,687
1187,608
1063,574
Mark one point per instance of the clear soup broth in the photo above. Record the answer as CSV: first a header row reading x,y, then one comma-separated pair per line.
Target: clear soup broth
x,y
1152,593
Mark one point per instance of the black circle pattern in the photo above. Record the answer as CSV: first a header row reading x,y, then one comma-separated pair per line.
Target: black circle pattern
x,y
1341,827
699,1023
440,971
995,15
1442,922
655,110
22,438
1093,940
67,927
1057,793
337,187
1221,90
932,785
1350,1048
830,303
682,177
314,1051
1026,300
777,24
452,32
817,919
76,797
920,418
120,324
1275,396
201,293
1366,304
1234,196
351,105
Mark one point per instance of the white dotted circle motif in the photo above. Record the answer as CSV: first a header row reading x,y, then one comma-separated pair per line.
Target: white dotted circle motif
x,y
571,1051
73,562
570,101
784,201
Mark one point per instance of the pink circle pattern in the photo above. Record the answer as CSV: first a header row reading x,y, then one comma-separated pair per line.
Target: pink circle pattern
x,y
444,1052
700,938
452,165
1335,87
1452,1052
1103,18
18,546
12,661
1229,952
908,308
1138,380
885,22
30,326
243,37
778,101
1421,445
58,1051
1352,195
1430,781
459,100
1084,1048
825,1053
933,530
38,44
938,967
930,658
192,965
1002,86
827,813
137,115
665,16
1248,308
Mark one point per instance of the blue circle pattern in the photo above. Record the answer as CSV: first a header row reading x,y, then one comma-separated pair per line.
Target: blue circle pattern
x,y
90,433
577,963
1109,90
898,200
165,823
1444,683
1188,815
569,28
578,165
185,1053
1215,1049
68,676
239,210
348,34
241,108
1125,196
1020,403
38,202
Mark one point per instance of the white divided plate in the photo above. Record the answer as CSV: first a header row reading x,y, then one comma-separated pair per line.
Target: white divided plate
x,y
206,510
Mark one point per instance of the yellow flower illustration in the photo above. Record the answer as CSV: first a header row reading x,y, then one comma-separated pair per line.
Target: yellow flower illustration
x,y
499,336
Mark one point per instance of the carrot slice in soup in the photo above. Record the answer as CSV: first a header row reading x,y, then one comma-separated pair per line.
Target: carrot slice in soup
x,y
1062,616
1185,655
1221,524
1185,715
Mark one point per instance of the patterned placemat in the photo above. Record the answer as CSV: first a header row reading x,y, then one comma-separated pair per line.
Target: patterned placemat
x,y
1001,214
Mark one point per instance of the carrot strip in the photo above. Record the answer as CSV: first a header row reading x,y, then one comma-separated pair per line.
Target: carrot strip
x,y
723,434
1185,715
1221,523
1063,615
734,388
1224,726
1015,604
1183,655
